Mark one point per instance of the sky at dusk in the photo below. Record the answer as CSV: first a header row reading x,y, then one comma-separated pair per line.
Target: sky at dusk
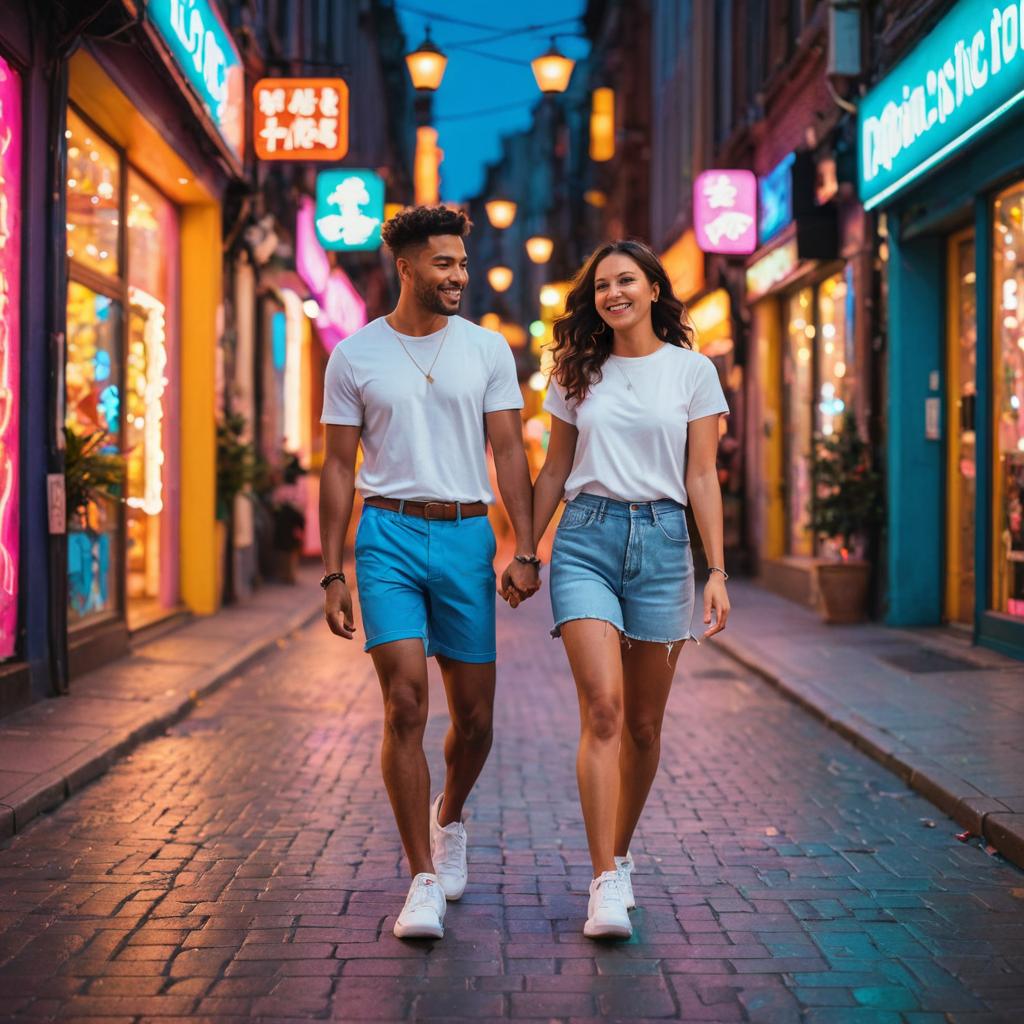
x,y
475,84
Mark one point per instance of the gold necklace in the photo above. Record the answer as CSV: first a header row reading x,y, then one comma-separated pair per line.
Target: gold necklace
x,y
428,373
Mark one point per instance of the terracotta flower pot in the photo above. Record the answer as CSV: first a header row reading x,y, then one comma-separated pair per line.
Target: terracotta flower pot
x,y
843,590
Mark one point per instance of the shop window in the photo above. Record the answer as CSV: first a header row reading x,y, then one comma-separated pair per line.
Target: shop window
x,y
798,400
94,198
94,404
835,355
1008,331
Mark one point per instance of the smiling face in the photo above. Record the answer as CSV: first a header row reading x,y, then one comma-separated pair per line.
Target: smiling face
x,y
436,272
622,292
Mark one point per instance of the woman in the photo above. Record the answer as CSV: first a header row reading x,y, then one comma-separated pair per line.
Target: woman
x,y
634,434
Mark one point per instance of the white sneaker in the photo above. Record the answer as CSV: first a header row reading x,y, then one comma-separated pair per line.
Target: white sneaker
x,y
423,914
448,849
624,868
607,917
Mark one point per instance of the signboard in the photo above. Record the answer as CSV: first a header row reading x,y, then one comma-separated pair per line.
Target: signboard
x,y
10,349
771,268
205,53
724,211
964,75
300,118
775,198
349,209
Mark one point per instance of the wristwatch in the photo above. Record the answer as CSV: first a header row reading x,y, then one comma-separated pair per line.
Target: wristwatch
x,y
331,577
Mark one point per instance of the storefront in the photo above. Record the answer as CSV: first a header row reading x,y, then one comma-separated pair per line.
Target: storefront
x,y
144,318
942,160
802,289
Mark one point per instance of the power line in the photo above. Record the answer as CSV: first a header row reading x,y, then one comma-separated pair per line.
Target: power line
x,y
466,115
432,15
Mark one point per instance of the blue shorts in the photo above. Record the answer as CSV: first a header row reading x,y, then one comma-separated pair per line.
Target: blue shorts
x,y
626,563
428,579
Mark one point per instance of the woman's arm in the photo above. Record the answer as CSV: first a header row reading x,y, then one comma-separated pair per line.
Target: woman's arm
x,y
705,496
550,485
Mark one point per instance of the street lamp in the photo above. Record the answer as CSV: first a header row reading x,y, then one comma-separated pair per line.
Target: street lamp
x,y
549,295
499,278
426,65
552,69
539,248
500,212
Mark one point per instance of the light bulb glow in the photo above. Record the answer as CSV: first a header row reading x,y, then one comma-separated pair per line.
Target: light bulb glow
x,y
500,278
500,212
539,248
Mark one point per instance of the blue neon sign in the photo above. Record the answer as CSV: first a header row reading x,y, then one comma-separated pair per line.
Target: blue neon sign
x,y
964,75
206,55
349,209
775,199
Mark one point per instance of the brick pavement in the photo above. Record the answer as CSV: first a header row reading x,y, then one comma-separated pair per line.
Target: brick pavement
x,y
244,866
944,715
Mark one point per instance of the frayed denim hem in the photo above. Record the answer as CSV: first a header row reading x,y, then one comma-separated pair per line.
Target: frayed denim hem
x,y
556,631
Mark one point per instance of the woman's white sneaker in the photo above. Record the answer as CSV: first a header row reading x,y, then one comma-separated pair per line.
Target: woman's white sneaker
x,y
624,868
422,917
607,917
448,850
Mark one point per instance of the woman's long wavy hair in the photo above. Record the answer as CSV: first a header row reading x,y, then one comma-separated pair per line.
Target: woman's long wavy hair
x,y
583,341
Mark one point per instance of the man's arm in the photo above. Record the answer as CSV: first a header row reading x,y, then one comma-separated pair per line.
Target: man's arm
x,y
505,433
337,489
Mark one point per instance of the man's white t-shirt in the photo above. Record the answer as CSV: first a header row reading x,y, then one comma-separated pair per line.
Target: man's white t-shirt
x,y
421,440
632,440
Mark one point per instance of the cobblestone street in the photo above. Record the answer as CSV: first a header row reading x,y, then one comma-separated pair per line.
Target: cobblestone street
x,y
245,866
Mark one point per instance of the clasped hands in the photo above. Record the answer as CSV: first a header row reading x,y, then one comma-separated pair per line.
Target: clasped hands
x,y
518,582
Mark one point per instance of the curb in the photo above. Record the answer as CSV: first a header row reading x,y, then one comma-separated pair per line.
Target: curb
x,y
966,805
50,789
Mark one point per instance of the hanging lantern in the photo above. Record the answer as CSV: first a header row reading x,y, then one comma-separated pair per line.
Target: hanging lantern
x,y
539,248
426,65
500,278
500,212
552,69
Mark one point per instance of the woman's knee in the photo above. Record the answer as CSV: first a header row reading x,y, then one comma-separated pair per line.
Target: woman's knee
x,y
602,718
644,733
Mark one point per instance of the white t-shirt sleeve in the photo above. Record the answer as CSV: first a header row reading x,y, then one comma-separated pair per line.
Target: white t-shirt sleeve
x,y
503,390
708,397
555,403
343,403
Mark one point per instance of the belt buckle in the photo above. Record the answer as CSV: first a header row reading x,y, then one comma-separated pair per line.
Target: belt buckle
x,y
438,505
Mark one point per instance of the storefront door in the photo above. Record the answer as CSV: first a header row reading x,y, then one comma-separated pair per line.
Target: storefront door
x,y
961,404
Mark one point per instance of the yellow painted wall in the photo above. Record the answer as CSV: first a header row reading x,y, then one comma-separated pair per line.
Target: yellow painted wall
x,y
201,292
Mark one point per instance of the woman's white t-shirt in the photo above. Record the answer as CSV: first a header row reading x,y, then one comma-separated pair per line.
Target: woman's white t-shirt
x,y
633,424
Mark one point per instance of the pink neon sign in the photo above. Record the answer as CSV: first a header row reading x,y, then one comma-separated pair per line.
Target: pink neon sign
x,y
10,340
342,309
725,212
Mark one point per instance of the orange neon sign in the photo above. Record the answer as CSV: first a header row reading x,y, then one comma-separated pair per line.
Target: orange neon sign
x,y
300,118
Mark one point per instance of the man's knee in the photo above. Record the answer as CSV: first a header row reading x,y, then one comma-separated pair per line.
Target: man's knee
x,y
474,724
405,710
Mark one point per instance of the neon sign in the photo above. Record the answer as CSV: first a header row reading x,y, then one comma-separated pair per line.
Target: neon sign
x,y
205,53
724,209
300,118
775,194
349,209
958,80
10,341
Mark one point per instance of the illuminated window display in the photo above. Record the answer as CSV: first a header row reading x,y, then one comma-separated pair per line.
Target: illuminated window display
x,y
93,388
121,322
817,391
1008,336
10,349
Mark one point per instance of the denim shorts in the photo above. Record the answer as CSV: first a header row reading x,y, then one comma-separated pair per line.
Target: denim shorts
x,y
627,563
427,579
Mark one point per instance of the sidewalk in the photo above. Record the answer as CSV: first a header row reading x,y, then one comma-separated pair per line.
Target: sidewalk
x,y
945,716
55,747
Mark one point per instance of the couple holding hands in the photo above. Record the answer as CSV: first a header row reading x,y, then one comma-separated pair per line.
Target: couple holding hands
x,y
634,434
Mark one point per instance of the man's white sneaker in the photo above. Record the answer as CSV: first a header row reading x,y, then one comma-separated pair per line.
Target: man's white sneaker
x,y
607,917
448,849
422,917
624,868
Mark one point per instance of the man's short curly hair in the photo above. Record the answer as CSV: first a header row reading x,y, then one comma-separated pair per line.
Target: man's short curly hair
x,y
412,228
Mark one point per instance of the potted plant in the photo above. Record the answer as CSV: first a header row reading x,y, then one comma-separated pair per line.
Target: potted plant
x,y
92,483
848,502
236,469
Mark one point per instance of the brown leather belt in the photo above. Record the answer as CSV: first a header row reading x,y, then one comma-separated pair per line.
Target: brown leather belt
x,y
447,510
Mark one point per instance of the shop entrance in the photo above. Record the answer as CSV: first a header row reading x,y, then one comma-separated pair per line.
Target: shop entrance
x,y
961,405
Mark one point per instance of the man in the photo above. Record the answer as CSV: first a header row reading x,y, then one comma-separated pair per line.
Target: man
x,y
424,390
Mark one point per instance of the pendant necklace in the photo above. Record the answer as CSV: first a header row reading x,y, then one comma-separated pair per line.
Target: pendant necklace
x,y
625,376
428,374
